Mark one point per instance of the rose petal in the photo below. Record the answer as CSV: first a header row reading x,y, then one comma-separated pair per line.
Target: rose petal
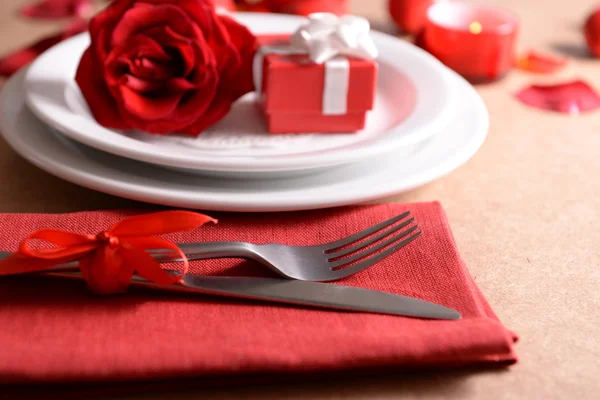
x,y
180,85
147,68
121,59
191,108
12,62
146,108
241,81
535,61
52,9
138,19
107,18
213,32
219,108
591,31
99,99
571,98
180,45
140,85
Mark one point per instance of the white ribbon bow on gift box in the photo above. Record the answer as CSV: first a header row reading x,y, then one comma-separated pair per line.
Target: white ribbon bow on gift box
x,y
325,36
327,39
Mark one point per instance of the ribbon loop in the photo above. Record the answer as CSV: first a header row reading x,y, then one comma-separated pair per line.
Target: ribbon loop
x,y
325,36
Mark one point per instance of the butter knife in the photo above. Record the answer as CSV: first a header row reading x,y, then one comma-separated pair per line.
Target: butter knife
x,y
312,294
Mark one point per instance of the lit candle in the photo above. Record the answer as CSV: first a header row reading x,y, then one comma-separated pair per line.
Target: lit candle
x,y
476,41
409,15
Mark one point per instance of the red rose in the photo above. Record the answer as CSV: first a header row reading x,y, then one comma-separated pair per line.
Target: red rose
x,y
165,66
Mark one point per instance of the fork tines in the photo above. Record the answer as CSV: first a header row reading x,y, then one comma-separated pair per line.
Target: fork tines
x,y
373,244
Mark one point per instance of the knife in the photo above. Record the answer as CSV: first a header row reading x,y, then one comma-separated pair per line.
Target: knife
x,y
312,294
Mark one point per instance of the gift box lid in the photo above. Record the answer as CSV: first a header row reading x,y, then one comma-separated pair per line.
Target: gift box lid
x,y
293,83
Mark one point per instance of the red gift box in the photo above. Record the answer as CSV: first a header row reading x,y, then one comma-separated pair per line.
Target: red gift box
x,y
293,91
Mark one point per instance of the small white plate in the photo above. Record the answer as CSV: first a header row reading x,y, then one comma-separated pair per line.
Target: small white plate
x,y
338,186
415,100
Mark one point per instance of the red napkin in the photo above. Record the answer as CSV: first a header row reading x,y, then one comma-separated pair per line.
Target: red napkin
x,y
56,331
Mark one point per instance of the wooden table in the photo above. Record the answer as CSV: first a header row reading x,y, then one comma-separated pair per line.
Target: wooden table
x,y
525,211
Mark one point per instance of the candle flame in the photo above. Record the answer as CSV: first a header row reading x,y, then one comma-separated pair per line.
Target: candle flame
x,y
475,28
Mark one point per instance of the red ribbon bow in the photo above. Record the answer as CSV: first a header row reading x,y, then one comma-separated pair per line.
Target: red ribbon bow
x,y
108,260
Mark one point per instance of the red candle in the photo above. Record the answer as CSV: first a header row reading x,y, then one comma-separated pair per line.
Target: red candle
x,y
409,15
476,41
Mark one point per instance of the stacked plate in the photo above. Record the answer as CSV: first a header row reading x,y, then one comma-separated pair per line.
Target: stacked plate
x,y
427,121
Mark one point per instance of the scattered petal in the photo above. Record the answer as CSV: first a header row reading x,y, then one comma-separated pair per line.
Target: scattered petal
x,y
11,63
570,98
591,30
535,61
52,9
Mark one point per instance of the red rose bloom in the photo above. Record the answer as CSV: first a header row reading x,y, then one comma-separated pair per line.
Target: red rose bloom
x,y
165,66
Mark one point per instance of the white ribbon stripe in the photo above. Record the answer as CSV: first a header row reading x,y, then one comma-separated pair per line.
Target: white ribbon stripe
x,y
326,39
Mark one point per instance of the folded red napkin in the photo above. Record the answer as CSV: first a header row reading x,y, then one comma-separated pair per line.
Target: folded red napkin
x,y
57,331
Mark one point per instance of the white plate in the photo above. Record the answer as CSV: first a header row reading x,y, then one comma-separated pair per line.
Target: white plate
x,y
416,99
360,182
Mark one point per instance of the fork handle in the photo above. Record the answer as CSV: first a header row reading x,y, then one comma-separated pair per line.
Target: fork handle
x,y
206,250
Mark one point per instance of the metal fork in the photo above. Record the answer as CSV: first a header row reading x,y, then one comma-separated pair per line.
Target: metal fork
x,y
324,262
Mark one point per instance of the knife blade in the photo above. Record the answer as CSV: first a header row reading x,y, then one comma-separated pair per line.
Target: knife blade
x,y
321,295
312,294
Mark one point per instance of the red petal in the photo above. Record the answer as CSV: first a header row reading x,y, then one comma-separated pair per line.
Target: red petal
x,y
141,85
535,61
52,9
92,85
180,85
107,18
138,19
12,62
213,31
218,109
146,67
236,79
240,81
184,47
148,108
571,98
591,30
121,59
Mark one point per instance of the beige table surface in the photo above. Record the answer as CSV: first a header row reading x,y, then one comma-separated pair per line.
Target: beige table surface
x,y
525,211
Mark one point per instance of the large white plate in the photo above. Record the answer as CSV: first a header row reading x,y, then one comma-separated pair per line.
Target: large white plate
x,y
364,181
416,99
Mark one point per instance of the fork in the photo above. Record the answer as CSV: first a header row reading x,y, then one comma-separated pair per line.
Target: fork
x,y
324,262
